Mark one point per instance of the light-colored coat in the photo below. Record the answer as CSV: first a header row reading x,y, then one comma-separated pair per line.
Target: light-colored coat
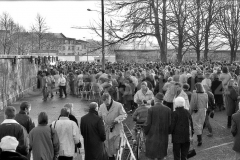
x,y
115,113
149,96
199,100
68,133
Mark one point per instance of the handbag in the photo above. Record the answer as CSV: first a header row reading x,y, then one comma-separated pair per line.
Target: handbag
x,y
195,110
191,153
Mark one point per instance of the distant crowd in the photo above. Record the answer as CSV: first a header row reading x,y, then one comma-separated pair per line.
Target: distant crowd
x,y
167,98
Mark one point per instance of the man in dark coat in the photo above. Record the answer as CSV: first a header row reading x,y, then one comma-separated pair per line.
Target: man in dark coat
x,y
157,129
23,118
93,132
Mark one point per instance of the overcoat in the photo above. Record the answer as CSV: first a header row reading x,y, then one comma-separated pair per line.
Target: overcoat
x,y
235,129
199,101
115,113
231,100
157,129
93,132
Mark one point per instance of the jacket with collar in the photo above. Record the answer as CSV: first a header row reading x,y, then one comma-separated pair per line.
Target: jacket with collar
x,y
68,133
235,130
23,119
149,96
11,127
6,155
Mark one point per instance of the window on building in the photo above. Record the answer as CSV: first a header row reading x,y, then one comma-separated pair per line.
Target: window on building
x,y
69,48
73,47
63,47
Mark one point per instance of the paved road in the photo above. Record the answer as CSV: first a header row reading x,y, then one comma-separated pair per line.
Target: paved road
x,y
218,147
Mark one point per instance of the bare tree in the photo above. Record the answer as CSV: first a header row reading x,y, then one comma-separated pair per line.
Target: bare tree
x,y
178,32
40,28
141,20
228,24
8,27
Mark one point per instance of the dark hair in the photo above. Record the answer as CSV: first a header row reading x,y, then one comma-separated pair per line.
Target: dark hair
x,y
10,112
225,69
199,88
25,105
64,112
186,86
105,96
178,84
43,118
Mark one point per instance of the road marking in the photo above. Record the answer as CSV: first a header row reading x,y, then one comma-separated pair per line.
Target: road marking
x,y
224,144
219,124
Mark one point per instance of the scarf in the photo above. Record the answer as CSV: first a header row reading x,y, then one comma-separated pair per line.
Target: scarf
x,y
110,105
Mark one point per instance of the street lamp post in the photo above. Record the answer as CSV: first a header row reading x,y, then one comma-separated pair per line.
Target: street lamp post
x,y
103,50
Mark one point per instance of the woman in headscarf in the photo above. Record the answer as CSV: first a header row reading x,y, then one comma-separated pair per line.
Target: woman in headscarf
x,y
198,108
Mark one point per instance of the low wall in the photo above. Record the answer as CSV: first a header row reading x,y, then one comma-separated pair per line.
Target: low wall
x,y
16,78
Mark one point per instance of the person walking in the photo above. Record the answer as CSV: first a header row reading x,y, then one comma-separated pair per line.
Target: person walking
x,y
231,98
198,107
62,86
235,130
93,132
23,116
8,146
10,127
113,114
68,134
44,140
181,129
157,129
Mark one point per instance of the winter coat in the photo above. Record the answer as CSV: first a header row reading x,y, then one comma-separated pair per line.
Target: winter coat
x,y
217,90
140,96
115,113
199,101
6,155
44,142
185,96
235,129
11,127
157,130
231,100
68,133
181,124
23,119
93,132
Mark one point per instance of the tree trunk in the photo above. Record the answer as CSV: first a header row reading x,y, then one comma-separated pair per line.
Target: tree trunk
x,y
164,34
179,55
232,54
198,55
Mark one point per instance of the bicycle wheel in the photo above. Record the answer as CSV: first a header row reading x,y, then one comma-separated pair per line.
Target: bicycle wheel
x,y
138,146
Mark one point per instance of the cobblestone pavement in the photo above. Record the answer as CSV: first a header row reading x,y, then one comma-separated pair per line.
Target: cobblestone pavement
x,y
218,147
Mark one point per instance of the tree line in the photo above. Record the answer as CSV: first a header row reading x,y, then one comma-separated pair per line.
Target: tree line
x,y
15,39
197,25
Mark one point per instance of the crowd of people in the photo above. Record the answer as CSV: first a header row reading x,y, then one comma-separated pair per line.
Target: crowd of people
x,y
167,98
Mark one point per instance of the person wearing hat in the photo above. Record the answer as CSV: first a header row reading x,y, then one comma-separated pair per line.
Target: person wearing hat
x,y
181,130
157,129
68,133
93,132
8,146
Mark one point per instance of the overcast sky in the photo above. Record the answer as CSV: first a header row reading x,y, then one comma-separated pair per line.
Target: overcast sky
x,y
60,15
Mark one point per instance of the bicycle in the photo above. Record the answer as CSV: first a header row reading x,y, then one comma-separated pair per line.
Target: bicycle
x,y
140,141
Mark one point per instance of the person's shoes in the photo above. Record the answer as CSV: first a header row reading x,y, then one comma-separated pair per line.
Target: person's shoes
x,y
210,135
60,96
228,126
66,96
51,96
199,144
